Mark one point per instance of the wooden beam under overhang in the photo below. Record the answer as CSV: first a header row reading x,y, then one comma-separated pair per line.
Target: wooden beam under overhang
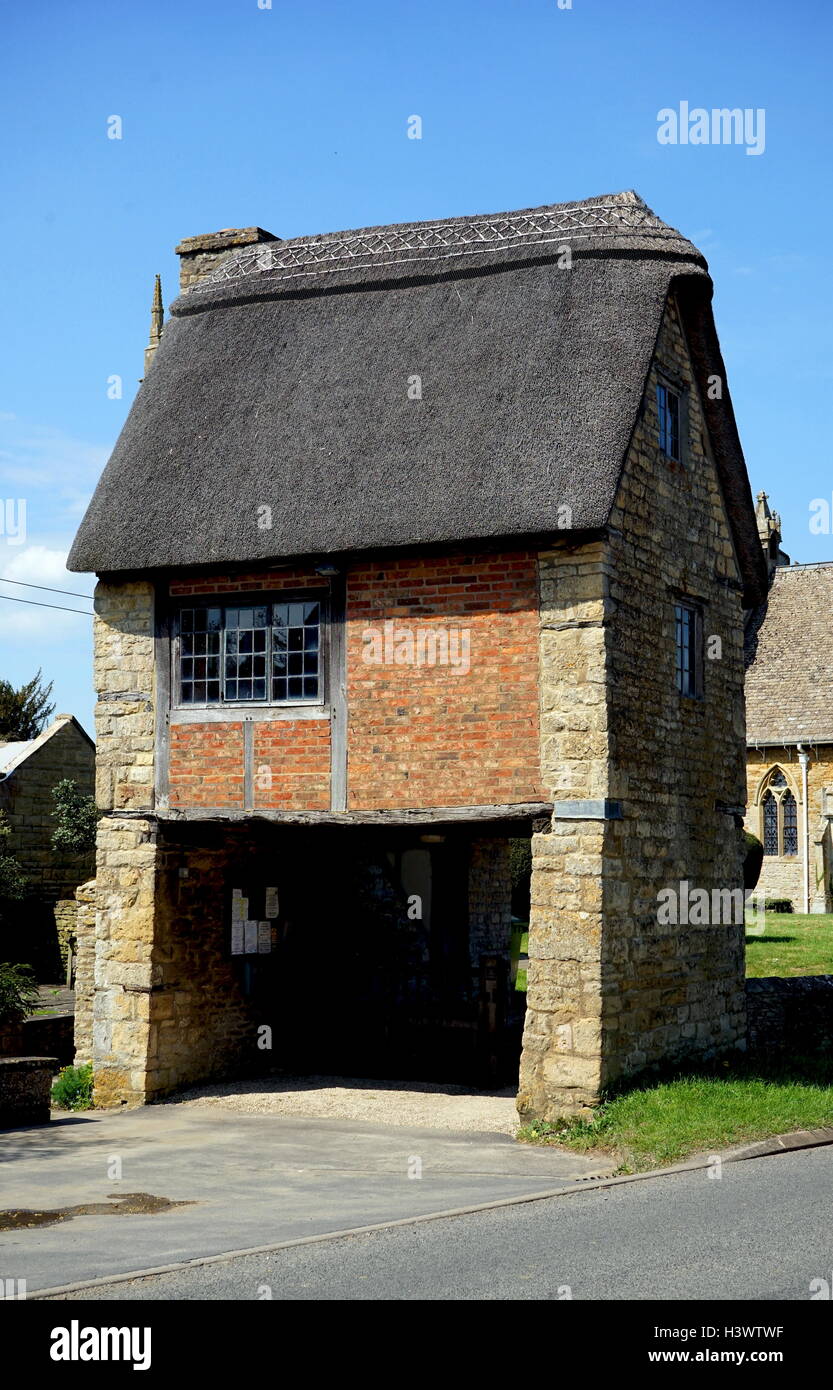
x,y
433,815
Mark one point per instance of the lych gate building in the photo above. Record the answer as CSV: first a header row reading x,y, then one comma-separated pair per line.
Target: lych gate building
x,y
418,540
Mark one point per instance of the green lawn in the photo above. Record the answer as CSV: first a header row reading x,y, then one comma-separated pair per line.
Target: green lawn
x,y
792,944
668,1122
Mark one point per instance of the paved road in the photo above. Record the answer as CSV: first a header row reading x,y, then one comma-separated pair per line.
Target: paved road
x,y
762,1231
249,1180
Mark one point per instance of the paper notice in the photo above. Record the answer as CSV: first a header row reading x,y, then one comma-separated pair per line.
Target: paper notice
x,y
264,938
237,938
239,909
271,909
250,938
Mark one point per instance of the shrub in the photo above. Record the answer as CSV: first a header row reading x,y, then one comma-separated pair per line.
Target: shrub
x,y
753,861
778,905
520,860
18,993
77,818
73,1088
12,878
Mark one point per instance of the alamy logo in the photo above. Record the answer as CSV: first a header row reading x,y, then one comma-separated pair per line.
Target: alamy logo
x,y
13,526
77,1343
391,645
685,906
720,126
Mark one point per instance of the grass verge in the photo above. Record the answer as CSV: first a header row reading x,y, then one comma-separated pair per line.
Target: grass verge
x,y
793,943
668,1121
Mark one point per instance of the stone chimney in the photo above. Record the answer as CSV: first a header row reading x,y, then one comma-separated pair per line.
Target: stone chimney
x,y
769,534
200,255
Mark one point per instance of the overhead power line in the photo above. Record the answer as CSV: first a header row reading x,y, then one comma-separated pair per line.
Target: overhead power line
x,y
34,603
72,593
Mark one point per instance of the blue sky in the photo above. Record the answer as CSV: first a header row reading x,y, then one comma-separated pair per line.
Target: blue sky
x,y
294,117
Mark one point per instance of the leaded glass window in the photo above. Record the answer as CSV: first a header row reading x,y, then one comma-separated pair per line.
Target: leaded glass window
x,y
789,811
251,652
295,650
770,810
201,635
779,816
668,409
686,649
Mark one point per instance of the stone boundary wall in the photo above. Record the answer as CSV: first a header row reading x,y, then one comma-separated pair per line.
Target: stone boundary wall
x,y
790,1016
66,914
84,971
39,1037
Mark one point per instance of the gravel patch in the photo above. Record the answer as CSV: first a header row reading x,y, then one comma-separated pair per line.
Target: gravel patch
x,y
418,1104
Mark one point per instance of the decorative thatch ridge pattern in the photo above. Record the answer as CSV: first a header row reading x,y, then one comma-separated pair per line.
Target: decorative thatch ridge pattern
x,y
441,241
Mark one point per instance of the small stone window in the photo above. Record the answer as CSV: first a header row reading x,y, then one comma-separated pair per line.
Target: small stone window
x,y
669,411
779,817
259,653
688,644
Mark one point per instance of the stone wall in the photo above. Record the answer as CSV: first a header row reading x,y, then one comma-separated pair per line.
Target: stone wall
x,y
66,914
782,876
677,762
490,899
611,991
84,971
168,1005
26,798
123,675
561,1061
25,1083
792,1018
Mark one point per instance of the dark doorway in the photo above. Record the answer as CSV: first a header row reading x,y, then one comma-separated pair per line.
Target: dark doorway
x,y
372,972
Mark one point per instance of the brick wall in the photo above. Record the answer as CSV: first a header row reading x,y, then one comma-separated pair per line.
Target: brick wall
x,y
206,765
292,765
427,735
459,727
291,756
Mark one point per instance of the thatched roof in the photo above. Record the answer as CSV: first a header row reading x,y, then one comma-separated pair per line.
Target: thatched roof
x,y
789,684
283,381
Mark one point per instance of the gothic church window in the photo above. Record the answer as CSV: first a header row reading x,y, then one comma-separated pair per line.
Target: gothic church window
x,y
779,817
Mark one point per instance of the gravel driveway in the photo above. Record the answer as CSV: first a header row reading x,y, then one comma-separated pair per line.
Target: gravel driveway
x,y
415,1104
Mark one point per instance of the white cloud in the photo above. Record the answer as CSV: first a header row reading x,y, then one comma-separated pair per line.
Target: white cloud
x,y
53,471
24,623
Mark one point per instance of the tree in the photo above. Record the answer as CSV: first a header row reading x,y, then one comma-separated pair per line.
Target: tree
x,y
12,877
24,712
18,992
77,817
